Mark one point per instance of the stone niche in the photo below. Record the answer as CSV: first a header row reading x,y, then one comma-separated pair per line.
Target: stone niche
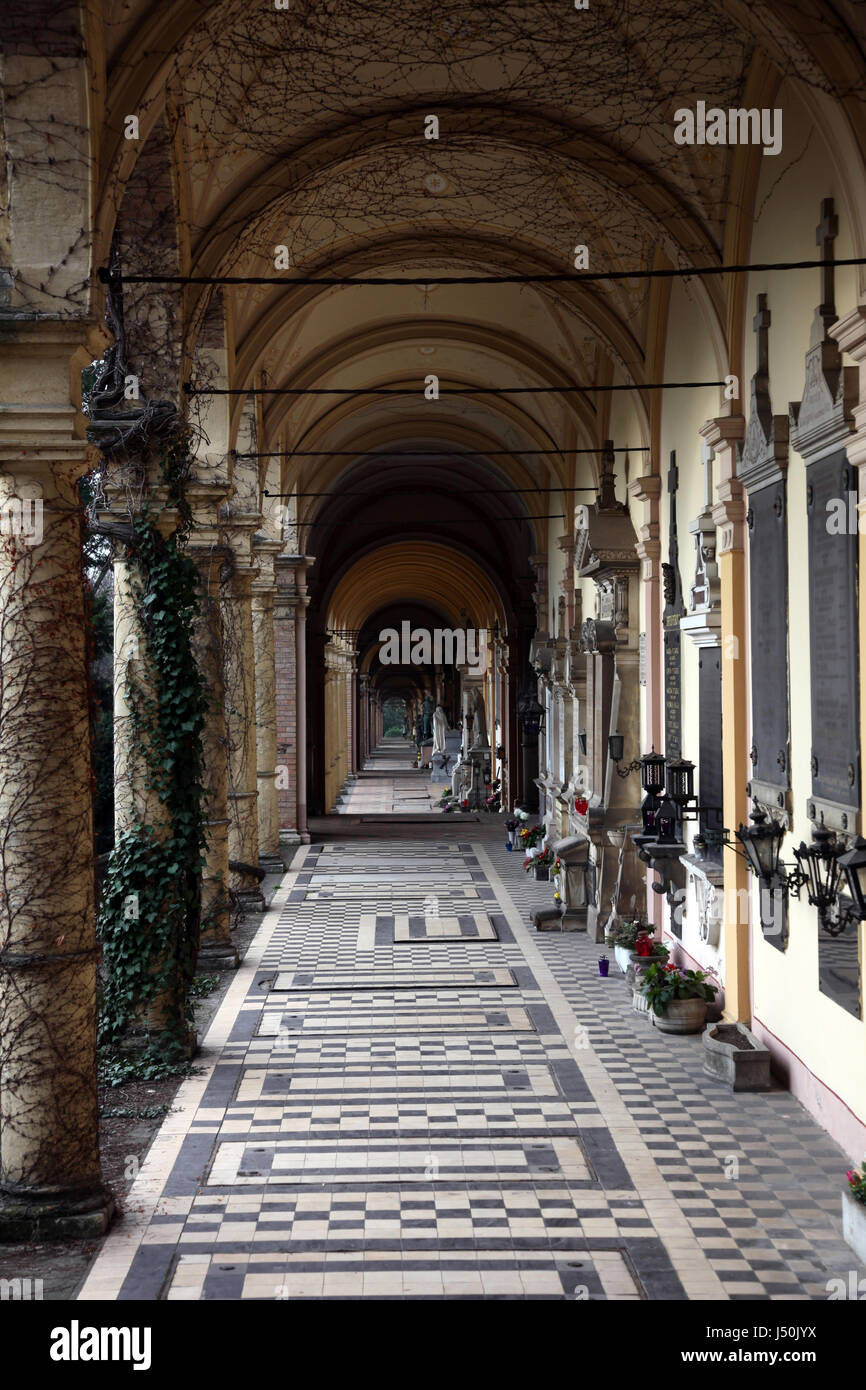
x,y
605,552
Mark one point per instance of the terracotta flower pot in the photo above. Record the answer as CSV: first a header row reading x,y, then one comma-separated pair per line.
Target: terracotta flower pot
x,y
682,1016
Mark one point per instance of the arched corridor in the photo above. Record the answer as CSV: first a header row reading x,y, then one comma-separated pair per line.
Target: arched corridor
x,y
432,458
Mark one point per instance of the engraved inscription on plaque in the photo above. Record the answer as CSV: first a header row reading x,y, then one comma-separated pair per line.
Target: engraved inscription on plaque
x,y
673,689
768,568
710,698
833,641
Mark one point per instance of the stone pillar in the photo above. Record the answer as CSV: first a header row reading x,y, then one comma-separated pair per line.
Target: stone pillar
x,y
217,950
729,512
50,1181
263,590
239,666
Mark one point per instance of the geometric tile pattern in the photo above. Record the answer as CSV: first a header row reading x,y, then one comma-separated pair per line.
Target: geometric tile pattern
x,y
755,1176
396,1114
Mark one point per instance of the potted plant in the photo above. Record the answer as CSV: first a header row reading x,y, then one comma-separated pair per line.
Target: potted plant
x,y
603,966
854,1211
530,836
540,863
648,952
624,939
543,865
677,997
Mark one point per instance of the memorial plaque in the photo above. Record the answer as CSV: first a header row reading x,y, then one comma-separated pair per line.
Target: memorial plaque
x,y
673,611
673,689
839,968
710,745
833,640
768,572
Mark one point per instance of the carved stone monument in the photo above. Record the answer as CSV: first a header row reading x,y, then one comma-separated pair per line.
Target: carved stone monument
x,y
605,552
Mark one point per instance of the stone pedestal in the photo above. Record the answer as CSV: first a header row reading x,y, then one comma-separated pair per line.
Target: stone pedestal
x,y
575,881
444,763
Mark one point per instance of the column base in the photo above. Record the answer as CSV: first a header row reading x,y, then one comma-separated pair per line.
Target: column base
x,y
547,919
218,955
142,1040
32,1215
272,863
574,921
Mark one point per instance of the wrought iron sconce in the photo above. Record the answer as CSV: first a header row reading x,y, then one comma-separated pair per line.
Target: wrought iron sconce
x,y
530,712
820,868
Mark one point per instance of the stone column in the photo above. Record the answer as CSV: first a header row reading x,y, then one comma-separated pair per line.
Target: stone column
x,y
729,513
263,591
239,666
50,1181
301,663
217,950
649,549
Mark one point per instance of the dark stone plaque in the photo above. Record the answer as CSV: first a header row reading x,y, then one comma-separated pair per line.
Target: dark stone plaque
x,y
710,745
673,611
673,689
768,586
833,641
839,968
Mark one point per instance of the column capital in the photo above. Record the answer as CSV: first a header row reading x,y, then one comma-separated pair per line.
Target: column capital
x,y
850,334
729,515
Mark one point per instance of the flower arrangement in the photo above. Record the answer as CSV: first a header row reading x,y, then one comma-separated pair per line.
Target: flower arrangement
x,y
529,837
539,861
857,1182
626,934
662,983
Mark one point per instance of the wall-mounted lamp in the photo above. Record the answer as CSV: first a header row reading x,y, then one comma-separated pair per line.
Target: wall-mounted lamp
x,y
821,868
615,747
530,712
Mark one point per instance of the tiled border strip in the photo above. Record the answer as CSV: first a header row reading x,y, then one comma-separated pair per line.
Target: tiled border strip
x,y
694,1270
114,1261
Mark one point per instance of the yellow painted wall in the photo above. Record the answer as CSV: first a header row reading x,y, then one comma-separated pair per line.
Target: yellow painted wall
x,y
786,998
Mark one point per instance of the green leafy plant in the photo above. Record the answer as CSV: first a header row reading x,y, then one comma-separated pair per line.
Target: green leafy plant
x,y
117,1069
149,921
626,934
662,983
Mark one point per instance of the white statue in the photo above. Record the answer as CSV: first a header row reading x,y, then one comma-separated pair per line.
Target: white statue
x,y
479,722
440,729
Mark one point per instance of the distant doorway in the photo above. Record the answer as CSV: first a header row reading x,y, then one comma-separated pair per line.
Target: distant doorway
x,y
395,718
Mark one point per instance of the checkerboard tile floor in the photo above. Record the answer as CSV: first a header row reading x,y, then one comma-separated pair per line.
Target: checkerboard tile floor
x,y
399,1115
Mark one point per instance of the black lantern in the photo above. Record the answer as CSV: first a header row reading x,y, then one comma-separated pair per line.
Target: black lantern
x,y
649,813
853,865
653,772
819,865
680,780
762,841
615,746
581,738
530,712
666,822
